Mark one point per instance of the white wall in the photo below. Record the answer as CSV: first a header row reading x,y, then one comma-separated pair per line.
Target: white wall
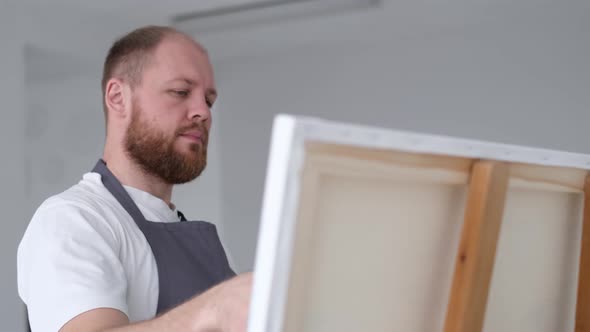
x,y
505,71
12,192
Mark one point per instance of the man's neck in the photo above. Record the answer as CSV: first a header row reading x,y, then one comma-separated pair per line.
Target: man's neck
x,y
131,174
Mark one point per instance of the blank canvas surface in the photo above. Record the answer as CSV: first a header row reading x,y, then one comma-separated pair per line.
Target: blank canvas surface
x,y
376,244
371,248
535,276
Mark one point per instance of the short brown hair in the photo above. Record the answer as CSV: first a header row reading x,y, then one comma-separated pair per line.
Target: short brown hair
x,y
130,53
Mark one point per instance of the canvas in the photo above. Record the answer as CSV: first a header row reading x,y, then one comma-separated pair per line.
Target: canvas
x,y
368,229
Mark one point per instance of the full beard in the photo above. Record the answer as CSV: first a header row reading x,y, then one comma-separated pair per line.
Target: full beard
x,y
154,152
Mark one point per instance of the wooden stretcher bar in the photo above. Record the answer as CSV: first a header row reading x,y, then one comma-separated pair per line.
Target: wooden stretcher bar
x,y
477,249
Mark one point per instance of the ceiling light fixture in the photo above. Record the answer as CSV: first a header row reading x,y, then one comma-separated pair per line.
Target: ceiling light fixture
x,y
264,12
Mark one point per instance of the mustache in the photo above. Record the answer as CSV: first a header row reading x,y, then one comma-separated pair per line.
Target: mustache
x,y
195,126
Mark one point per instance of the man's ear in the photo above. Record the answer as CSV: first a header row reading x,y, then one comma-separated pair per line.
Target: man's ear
x,y
116,96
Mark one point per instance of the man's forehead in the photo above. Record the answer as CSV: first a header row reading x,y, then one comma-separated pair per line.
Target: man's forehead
x,y
182,59
184,43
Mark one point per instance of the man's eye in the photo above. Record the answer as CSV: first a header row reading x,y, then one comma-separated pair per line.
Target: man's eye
x,y
209,103
181,93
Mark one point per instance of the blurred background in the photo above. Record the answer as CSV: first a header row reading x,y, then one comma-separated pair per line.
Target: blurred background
x,y
510,71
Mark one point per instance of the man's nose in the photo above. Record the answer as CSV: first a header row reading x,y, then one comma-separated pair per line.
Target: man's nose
x,y
199,110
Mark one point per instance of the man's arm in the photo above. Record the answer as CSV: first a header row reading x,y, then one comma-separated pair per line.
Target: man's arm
x,y
223,308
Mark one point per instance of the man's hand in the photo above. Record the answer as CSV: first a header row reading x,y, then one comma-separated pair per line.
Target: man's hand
x,y
227,303
223,308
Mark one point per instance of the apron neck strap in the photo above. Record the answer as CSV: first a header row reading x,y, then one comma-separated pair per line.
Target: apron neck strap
x,y
116,188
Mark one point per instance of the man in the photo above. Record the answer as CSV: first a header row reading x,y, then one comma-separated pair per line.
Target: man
x,y
112,253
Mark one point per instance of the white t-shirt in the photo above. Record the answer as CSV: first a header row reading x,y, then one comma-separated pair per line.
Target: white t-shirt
x,y
83,251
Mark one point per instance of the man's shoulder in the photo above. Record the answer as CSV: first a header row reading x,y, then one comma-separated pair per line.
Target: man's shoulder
x,y
88,199
80,214
87,194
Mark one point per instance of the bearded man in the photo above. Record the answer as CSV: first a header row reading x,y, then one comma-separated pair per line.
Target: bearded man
x,y
113,253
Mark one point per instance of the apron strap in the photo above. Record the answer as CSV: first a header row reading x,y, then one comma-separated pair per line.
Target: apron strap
x,y
114,186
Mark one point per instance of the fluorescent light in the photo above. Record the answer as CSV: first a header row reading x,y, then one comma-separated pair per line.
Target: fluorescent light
x,y
264,12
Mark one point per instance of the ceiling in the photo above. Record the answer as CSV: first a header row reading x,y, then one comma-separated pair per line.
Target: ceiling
x,y
77,35
85,29
135,8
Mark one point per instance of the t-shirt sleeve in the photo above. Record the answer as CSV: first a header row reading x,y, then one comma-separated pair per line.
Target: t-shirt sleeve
x,y
68,263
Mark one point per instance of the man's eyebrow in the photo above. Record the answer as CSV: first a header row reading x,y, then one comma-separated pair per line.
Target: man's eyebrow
x,y
183,79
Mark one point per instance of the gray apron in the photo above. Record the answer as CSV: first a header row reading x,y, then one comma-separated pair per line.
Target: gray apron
x,y
189,255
